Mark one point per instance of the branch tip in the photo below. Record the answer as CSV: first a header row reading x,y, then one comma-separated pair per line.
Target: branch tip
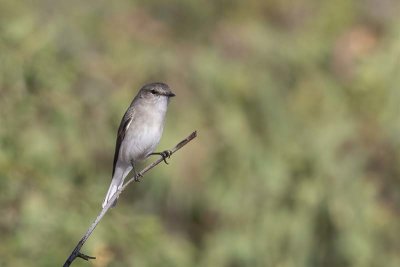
x,y
85,257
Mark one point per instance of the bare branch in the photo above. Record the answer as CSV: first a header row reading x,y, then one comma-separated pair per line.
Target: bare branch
x,y
76,252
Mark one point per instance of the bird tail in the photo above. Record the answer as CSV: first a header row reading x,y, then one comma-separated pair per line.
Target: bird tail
x,y
116,182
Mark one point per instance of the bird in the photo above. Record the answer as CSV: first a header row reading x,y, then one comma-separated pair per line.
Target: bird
x,y
139,133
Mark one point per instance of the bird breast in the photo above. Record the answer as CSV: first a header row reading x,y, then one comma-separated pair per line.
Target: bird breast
x,y
143,135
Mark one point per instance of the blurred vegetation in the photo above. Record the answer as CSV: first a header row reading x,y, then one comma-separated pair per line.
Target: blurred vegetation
x,y
298,111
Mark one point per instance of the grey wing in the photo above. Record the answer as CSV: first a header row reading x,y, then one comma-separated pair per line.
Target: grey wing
x,y
123,127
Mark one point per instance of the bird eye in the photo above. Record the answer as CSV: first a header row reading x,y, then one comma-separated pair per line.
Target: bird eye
x,y
153,92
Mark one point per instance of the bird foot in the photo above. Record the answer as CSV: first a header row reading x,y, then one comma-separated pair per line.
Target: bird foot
x,y
137,177
166,154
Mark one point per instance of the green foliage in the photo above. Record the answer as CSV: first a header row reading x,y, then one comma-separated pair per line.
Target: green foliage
x,y
297,110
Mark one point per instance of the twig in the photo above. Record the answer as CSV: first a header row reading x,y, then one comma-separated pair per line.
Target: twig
x,y
76,252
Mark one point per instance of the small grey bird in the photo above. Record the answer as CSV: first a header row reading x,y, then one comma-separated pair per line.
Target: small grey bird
x,y
139,133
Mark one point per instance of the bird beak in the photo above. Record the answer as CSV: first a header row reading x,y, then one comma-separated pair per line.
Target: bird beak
x,y
170,94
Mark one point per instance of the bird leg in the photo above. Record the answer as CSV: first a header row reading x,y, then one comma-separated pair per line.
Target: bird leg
x,y
165,154
135,174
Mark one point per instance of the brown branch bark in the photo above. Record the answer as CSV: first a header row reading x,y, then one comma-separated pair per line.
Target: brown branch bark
x,y
76,252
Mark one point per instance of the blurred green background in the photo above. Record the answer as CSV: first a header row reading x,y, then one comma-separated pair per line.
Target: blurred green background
x,y
297,106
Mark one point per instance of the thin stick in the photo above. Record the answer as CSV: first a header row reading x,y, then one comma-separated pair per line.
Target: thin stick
x,y
76,252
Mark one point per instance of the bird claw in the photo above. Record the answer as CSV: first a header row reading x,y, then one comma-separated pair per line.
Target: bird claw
x,y
166,154
137,177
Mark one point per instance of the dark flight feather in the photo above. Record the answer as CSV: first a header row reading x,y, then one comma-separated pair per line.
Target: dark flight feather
x,y
123,127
